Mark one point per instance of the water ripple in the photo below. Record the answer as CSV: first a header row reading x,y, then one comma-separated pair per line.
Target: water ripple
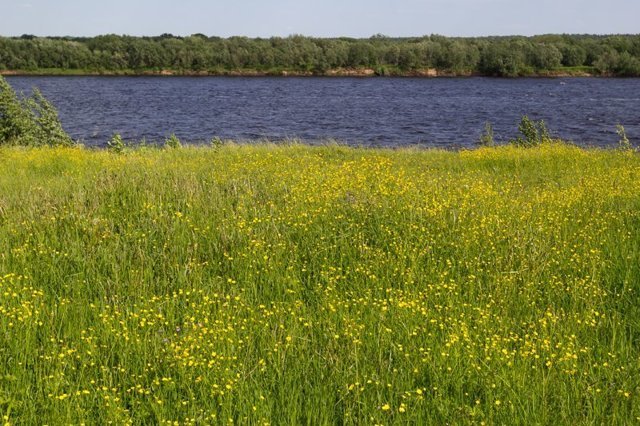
x,y
375,111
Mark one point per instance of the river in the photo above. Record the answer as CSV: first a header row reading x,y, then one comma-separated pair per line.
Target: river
x,y
436,112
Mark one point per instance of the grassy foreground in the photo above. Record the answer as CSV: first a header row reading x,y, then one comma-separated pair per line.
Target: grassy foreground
x,y
327,285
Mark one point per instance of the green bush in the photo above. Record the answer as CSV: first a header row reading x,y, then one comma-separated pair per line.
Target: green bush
x,y
15,120
31,121
533,133
623,143
172,142
486,139
216,143
116,144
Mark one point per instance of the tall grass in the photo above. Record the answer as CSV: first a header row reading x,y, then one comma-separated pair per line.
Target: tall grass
x,y
327,285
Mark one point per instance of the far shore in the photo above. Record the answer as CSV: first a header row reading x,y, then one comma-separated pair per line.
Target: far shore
x,y
340,72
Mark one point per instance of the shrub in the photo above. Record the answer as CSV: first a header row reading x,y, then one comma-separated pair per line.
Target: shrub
x,y
15,120
216,143
486,139
29,120
533,133
116,144
623,143
172,142
48,128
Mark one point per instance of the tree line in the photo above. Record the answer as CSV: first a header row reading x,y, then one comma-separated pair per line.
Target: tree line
x,y
617,55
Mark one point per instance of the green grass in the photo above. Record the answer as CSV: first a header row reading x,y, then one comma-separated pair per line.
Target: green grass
x,y
327,285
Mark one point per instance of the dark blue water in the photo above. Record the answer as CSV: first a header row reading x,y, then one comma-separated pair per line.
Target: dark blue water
x,y
364,111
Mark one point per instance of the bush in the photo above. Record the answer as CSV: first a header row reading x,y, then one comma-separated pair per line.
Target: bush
x,y
31,121
486,139
533,133
15,119
116,144
623,143
172,142
48,128
216,143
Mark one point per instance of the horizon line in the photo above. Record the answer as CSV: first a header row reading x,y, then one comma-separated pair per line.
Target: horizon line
x,y
373,36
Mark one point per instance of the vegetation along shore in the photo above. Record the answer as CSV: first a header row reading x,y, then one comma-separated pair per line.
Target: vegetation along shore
x,y
265,284
434,55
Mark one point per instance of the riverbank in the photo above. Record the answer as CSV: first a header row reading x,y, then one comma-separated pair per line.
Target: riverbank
x,y
294,284
509,56
338,72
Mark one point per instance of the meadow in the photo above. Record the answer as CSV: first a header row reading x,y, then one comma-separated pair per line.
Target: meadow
x,y
296,285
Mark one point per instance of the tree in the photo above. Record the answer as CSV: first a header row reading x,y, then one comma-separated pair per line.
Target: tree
x,y
362,54
545,57
627,65
607,62
499,56
502,59
573,55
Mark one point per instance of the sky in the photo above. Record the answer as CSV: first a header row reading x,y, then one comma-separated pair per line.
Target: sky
x,y
320,18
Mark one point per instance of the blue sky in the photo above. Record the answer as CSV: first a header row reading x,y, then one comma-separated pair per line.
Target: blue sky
x,y
354,18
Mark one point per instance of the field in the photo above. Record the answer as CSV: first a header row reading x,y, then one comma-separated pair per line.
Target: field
x,y
319,285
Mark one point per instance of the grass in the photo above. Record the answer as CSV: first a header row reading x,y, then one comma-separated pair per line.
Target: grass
x,y
319,285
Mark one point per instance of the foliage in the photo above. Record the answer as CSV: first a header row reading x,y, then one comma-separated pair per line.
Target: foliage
x,y
116,144
16,120
172,142
623,143
486,139
500,56
573,55
48,127
216,143
29,121
533,133
327,285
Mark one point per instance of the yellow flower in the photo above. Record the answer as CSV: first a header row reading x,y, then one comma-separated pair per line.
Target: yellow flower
x,y
386,407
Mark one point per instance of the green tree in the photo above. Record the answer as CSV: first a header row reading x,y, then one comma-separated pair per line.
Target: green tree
x,y
545,57
502,59
573,55
499,56
607,62
627,65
